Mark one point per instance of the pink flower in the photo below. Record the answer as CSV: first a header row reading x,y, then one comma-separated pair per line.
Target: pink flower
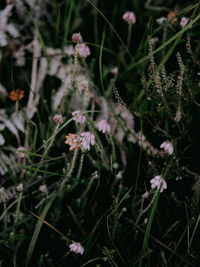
x,y
77,248
183,22
79,119
83,50
103,126
87,139
158,182
129,17
58,119
77,38
168,147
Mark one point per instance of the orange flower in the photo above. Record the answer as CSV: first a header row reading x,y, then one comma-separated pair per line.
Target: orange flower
x,y
16,95
172,17
73,141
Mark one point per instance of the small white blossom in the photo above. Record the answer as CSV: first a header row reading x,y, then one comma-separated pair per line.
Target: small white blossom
x,y
158,182
168,147
77,248
19,188
43,188
161,20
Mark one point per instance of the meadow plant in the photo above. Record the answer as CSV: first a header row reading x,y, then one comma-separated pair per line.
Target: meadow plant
x,y
85,124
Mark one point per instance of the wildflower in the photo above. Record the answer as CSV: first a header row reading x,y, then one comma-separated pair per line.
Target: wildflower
x,y
87,139
168,147
16,95
161,20
129,17
103,126
58,119
77,248
79,119
43,188
183,22
20,152
77,38
83,50
114,71
19,188
158,182
172,17
73,141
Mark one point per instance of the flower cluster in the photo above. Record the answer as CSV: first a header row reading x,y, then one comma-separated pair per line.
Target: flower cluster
x,y
58,119
77,38
16,95
87,139
168,147
83,141
74,141
183,22
83,50
129,17
80,118
77,248
161,20
103,126
158,182
171,17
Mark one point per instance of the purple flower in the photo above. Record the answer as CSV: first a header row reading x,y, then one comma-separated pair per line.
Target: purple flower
x,y
77,38
58,119
83,50
103,126
158,182
77,248
79,119
183,22
129,17
168,147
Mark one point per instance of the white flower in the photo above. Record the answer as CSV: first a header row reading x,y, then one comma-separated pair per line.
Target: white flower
x,y
43,188
103,126
19,188
158,182
161,20
168,147
77,248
